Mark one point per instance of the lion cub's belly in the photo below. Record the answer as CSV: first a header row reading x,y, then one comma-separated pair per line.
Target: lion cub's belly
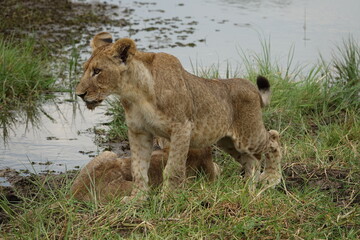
x,y
208,132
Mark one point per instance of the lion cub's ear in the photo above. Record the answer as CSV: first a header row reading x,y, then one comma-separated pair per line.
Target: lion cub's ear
x,y
124,49
101,39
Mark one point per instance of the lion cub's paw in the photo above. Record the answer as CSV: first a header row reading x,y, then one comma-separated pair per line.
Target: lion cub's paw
x,y
270,180
127,199
217,170
135,200
168,194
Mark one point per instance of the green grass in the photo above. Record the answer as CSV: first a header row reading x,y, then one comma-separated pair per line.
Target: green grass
x,y
317,113
347,62
24,77
23,72
226,209
117,127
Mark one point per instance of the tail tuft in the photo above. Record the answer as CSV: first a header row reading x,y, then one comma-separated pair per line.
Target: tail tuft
x,y
264,88
262,83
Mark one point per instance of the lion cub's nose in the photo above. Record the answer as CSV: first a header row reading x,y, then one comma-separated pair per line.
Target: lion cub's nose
x,y
82,95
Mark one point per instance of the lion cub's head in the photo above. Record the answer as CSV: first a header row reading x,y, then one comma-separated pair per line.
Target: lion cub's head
x,y
103,72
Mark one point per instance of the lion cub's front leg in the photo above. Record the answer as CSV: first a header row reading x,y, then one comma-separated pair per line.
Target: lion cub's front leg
x,y
141,149
175,170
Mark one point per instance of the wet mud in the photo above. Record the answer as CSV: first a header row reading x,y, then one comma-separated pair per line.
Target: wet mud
x,y
58,24
54,24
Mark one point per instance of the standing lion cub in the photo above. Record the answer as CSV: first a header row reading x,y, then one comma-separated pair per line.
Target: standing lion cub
x,y
161,99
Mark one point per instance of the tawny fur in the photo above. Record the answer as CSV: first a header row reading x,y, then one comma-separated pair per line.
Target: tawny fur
x,y
107,177
161,99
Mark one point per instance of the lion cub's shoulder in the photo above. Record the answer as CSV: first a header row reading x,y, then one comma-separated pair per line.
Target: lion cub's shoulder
x,y
158,61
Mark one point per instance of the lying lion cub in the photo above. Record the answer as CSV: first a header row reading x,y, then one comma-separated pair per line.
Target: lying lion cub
x,y
161,98
107,176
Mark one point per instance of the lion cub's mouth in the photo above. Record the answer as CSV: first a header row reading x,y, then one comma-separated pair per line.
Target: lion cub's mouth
x,y
92,104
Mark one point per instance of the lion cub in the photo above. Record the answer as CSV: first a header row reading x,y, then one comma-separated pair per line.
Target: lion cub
x,y
107,176
160,98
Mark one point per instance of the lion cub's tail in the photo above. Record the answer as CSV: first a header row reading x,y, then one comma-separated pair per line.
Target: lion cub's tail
x,y
264,88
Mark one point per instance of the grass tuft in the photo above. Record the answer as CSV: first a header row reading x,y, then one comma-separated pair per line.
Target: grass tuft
x,y
347,62
23,78
117,127
22,73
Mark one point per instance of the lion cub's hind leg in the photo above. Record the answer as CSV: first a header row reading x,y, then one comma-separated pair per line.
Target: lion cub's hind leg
x,y
271,175
200,160
250,165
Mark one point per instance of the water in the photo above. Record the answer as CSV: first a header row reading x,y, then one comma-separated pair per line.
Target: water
x,y
202,33
63,141
220,29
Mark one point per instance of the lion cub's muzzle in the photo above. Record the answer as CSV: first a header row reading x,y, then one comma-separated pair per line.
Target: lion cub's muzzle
x,y
89,104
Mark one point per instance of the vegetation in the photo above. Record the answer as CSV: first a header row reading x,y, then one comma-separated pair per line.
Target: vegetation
x,y
318,117
117,127
24,77
23,73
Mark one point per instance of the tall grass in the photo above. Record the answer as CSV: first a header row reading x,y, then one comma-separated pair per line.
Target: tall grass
x,y
23,71
73,68
346,62
318,199
117,126
23,77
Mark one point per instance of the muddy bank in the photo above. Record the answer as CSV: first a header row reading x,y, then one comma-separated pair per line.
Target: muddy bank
x,y
340,184
55,24
28,186
58,24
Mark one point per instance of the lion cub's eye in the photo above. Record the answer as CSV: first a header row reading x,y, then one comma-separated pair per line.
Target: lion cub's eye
x,y
96,71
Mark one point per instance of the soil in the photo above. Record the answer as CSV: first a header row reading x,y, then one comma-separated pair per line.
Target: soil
x,y
340,184
55,24
59,24
27,186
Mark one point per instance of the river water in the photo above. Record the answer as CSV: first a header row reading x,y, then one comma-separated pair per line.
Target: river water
x,y
62,139
221,28
200,33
